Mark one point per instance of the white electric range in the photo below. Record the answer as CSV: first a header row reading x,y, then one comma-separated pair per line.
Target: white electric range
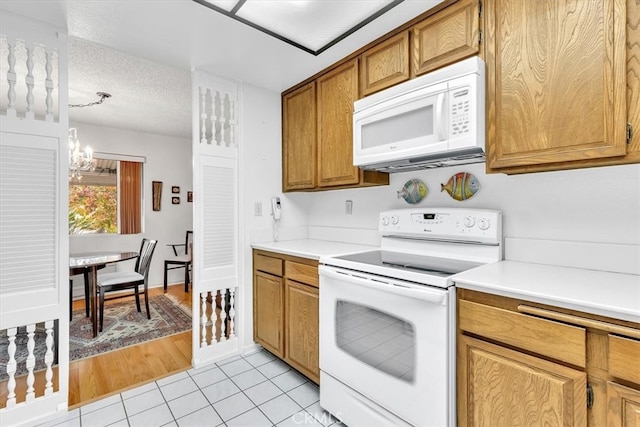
x,y
387,317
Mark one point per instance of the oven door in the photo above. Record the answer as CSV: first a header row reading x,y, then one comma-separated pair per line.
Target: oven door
x,y
388,341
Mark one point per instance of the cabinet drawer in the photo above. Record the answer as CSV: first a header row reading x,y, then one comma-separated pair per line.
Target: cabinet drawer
x,y
553,339
268,264
624,358
302,273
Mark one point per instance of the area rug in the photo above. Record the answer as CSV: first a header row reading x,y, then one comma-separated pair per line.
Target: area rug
x,y
123,327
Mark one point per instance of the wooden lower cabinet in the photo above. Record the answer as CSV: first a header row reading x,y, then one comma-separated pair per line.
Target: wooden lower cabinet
x,y
267,312
624,406
529,364
301,328
286,309
503,387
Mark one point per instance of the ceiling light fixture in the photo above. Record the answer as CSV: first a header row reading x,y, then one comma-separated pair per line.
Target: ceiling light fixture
x,y
79,160
102,95
310,25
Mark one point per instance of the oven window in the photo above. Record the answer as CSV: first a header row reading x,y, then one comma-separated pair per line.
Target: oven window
x,y
379,339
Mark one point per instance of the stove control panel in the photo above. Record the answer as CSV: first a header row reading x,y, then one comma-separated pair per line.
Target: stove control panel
x,y
454,224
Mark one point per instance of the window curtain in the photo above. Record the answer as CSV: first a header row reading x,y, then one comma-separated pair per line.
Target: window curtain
x,y
130,197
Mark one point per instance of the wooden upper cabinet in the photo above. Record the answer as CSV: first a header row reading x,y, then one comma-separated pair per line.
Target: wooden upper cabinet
x,y
446,37
633,79
299,138
555,82
337,90
385,64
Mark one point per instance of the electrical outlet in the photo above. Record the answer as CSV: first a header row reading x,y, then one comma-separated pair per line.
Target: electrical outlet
x,y
257,209
348,207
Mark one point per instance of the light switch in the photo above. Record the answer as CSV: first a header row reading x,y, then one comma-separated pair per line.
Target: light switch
x,y
257,209
348,207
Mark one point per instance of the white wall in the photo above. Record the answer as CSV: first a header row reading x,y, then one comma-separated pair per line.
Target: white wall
x,y
261,179
586,205
600,205
168,159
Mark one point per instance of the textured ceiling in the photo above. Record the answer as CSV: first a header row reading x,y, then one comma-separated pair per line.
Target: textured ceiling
x,y
146,96
141,51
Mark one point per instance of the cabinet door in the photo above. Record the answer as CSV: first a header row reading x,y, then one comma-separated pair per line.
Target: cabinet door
x,y
337,90
385,65
555,81
446,37
299,139
624,406
301,328
633,78
267,312
502,387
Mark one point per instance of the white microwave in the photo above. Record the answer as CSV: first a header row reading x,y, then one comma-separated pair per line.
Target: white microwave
x,y
430,121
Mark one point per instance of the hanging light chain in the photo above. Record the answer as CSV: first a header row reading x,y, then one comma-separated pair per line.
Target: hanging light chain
x,y
102,95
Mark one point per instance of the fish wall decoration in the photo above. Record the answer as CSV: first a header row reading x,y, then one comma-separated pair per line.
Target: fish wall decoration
x,y
461,186
413,191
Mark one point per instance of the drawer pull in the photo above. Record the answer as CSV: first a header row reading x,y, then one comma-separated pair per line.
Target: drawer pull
x,y
580,321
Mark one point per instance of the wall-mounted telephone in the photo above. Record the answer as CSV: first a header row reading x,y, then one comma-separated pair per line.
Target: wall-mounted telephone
x,y
276,208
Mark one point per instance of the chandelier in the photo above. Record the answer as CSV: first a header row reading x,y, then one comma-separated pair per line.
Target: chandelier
x,y
79,160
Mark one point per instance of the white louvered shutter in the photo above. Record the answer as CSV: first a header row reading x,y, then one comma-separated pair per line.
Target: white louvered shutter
x,y
34,241
215,265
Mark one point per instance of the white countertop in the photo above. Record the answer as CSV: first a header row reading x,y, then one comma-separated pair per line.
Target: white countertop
x,y
604,293
313,249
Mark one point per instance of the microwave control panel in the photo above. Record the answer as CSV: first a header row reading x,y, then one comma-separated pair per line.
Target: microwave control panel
x,y
460,111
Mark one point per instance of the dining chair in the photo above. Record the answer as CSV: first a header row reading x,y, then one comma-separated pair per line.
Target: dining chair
x,y
183,258
85,275
123,280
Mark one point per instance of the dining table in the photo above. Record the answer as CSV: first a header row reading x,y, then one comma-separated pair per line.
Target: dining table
x,y
91,262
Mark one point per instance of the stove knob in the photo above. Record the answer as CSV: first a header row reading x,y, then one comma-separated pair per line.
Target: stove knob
x,y
385,221
469,221
484,224
394,219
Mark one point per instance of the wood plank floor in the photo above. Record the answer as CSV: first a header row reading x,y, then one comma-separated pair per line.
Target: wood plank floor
x,y
102,375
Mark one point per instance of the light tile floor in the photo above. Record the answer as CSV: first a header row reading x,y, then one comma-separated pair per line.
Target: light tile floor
x,y
254,390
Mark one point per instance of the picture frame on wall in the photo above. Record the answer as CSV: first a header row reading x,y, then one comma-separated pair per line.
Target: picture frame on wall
x,y
156,191
190,196
175,200
175,189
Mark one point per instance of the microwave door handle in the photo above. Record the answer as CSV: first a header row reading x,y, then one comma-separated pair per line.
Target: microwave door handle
x,y
439,123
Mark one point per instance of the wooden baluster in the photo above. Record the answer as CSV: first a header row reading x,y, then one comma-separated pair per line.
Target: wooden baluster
x,y
11,78
232,123
223,99
203,115
48,358
31,362
29,80
11,368
218,118
203,319
232,313
223,315
48,86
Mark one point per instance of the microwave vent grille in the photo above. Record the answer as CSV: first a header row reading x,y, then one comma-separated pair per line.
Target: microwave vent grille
x,y
462,157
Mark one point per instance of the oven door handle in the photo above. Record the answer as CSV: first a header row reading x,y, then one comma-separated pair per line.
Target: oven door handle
x,y
427,294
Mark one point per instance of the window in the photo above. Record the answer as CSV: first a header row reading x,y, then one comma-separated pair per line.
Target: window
x,y
107,200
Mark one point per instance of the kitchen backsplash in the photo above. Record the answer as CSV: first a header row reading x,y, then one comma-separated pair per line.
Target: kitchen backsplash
x,y
588,206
